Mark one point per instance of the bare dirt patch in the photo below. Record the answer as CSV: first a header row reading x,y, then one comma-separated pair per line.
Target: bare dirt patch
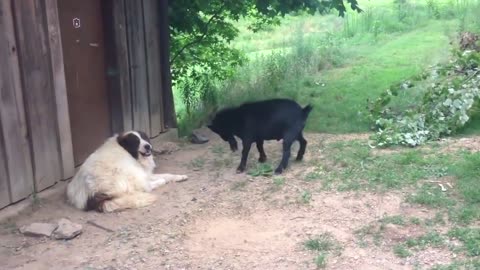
x,y
217,220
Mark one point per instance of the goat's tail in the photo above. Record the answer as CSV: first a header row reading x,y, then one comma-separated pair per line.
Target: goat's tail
x,y
306,111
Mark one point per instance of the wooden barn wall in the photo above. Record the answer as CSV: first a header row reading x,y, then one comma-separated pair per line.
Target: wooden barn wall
x,y
137,36
35,137
35,143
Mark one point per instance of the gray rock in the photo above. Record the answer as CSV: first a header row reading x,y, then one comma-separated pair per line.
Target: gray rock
x,y
67,230
39,229
198,138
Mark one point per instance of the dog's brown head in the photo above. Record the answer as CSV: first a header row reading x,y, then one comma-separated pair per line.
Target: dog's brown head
x,y
136,143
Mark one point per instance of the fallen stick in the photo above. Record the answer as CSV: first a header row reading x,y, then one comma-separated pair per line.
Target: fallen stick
x,y
91,222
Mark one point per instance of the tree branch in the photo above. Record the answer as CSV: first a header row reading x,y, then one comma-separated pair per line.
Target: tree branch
x,y
200,38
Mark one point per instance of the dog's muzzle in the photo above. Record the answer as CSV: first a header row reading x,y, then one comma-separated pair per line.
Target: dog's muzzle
x,y
147,151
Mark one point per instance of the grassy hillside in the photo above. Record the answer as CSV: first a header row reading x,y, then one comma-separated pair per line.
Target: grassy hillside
x,y
338,63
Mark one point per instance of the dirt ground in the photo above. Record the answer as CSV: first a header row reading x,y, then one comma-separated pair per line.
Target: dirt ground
x,y
221,220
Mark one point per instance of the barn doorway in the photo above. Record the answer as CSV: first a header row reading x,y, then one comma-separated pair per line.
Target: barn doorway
x,y
81,28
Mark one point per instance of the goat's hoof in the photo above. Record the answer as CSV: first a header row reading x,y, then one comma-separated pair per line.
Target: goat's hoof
x,y
278,171
262,159
299,159
240,170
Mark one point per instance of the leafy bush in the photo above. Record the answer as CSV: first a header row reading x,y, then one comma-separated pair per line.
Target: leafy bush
x,y
447,104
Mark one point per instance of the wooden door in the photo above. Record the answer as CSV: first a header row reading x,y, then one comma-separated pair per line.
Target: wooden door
x,y
81,28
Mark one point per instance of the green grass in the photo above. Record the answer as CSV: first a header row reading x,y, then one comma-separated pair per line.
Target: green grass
x,y
432,239
430,195
470,264
366,231
358,168
401,251
408,247
197,164
324,244
239,185
353,165
467,171
278,181
415,220
339,104
470,238
397,220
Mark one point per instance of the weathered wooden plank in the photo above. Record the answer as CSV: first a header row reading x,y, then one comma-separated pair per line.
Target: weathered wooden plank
x,y
170,120
4,187
137,58
16,149
152,37
37,82
117,64
60,89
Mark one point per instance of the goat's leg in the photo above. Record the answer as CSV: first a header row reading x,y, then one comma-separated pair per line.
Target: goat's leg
x,y
303,146
243,162
287,144
263,156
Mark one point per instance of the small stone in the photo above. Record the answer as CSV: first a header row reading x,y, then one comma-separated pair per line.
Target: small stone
x,y
39,229
198,138
67,230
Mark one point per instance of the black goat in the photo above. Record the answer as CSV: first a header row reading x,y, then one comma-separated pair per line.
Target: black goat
x,y
274,119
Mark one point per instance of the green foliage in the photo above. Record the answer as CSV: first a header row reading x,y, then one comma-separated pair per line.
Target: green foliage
x,y
447,104
201,31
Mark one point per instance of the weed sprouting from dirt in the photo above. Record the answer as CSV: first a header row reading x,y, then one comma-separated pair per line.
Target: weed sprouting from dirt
x,y
324,244
401,251
197,164
397,220
306,197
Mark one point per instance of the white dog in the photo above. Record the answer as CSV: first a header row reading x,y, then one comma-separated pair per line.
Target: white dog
x,y
118,175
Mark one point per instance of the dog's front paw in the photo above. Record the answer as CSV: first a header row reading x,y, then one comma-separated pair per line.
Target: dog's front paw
x,y
181,178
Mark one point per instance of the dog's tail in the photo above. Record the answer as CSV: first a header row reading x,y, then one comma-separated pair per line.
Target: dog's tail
x,y
306,111
97,201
